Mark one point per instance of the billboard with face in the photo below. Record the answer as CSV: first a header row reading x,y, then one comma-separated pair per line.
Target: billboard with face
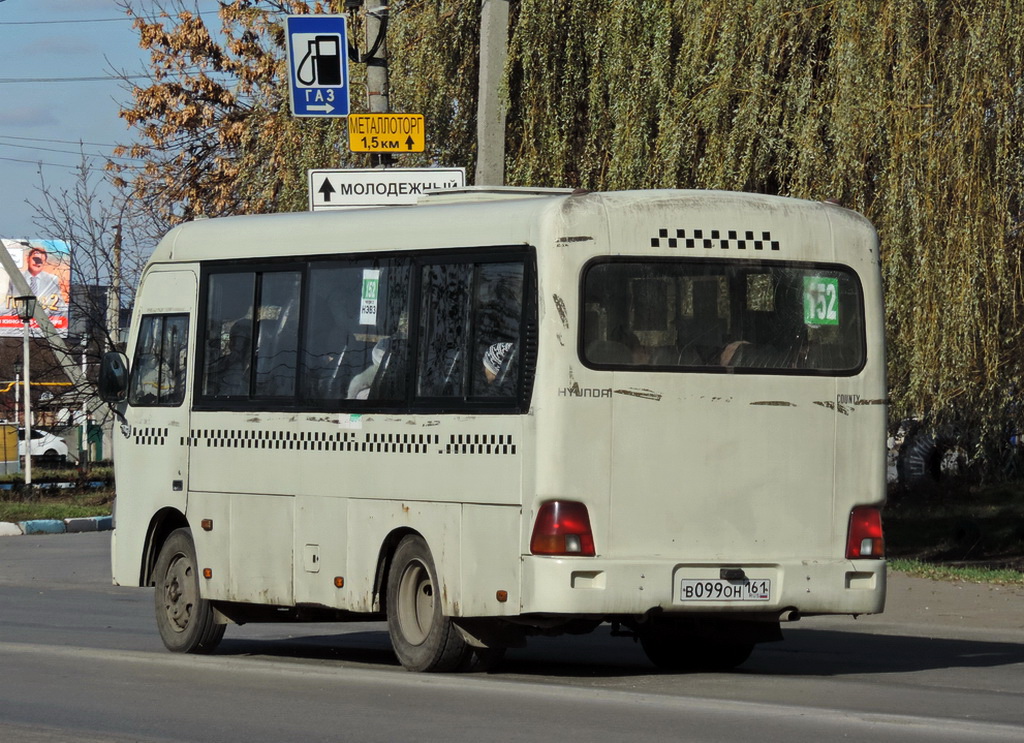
x,y
46,266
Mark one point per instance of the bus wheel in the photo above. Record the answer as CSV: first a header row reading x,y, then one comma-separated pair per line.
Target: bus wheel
x,y
186,621
422,638
673,649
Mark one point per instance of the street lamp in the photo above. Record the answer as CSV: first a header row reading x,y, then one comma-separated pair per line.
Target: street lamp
x,y
83,444
26,311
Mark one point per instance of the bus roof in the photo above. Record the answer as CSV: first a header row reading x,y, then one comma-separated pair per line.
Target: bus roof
x,y
471,217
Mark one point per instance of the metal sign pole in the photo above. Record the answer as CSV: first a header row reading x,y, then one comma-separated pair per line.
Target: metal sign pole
x,y
28,400
377,91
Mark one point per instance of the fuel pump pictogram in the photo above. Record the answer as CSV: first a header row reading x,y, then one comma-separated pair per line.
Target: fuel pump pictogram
x,y
321,63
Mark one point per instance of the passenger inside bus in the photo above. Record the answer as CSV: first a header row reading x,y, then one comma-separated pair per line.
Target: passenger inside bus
x,y
158,375
389,381
775,336
498,362
327,344
359,387
229,374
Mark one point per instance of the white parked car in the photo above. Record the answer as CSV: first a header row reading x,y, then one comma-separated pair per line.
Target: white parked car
x,y
44,444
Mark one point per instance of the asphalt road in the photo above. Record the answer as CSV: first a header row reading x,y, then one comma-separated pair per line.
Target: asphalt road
x,y
80,660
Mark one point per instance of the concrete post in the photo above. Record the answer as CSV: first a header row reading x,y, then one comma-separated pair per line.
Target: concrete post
x,y
490,116
377,91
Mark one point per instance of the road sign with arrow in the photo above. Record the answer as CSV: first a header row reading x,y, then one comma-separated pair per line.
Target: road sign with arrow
x,y
344,189
317,65
386,133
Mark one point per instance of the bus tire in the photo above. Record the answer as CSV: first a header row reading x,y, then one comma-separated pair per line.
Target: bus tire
x,y
186,621
673,649
422,638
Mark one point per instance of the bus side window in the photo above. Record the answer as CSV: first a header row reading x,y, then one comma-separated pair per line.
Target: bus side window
x,y
444,326
278,335
381,338
228,366
498,314
470,320
158,372
330,350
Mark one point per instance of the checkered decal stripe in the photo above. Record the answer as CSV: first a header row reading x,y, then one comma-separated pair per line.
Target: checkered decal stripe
x,y
480,444
401,443
396,443
712,239
341,441
150,436
234,439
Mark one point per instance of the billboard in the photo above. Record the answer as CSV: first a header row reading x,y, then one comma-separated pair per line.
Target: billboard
x,y
46,266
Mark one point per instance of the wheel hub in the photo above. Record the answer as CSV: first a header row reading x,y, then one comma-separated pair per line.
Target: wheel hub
x,y
179,592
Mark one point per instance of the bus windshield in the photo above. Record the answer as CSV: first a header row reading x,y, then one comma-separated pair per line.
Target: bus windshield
x,y
741,316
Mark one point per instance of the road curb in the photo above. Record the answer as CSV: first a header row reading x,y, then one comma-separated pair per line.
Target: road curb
x,y
56,526
95,523
7,529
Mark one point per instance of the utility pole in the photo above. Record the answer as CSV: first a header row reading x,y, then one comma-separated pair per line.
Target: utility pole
x,y
376,58
490,110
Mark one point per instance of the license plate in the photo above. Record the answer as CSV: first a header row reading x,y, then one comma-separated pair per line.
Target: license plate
x,y
691,589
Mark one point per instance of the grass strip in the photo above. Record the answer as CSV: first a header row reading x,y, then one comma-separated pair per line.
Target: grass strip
x,y
966,573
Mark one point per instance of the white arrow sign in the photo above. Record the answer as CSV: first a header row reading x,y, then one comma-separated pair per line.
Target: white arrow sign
x,y
345,189
326,108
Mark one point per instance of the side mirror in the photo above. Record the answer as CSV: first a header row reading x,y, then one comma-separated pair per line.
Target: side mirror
x,y
112,384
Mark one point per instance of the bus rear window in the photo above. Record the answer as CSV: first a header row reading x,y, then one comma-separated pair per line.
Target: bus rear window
x,y
736,316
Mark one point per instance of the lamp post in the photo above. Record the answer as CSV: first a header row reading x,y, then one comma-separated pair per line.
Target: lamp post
x,y
83,445
26,310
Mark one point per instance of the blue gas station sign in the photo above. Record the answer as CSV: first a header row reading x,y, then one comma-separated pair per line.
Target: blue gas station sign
x,y
317,65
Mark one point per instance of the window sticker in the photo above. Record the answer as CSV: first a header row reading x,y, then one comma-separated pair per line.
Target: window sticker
x,y
821,300
368,300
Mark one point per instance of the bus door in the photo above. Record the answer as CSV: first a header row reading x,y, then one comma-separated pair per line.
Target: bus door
x,y
157,414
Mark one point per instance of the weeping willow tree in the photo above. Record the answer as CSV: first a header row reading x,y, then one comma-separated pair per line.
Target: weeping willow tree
x,y
909,111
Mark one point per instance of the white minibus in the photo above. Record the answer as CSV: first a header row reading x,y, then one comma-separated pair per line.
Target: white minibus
x,y
504,413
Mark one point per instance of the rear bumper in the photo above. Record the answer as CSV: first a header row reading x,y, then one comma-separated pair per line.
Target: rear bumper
x,y
599,587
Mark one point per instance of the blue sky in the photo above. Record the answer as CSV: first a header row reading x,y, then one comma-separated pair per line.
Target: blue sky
x,y
44,112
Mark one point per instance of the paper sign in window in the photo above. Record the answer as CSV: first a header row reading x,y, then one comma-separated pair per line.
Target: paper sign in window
x,y
368,298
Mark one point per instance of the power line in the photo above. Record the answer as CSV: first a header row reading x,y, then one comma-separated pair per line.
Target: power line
x,y
150,147
64,152
105,78
102,78
122,19
56,141
45,149
40,162
79,20
60,165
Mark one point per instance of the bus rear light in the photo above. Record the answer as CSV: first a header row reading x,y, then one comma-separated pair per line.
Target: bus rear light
x,y
562,528
864,539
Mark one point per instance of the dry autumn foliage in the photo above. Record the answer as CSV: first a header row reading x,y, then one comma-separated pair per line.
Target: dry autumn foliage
x,y
215,133
909,111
